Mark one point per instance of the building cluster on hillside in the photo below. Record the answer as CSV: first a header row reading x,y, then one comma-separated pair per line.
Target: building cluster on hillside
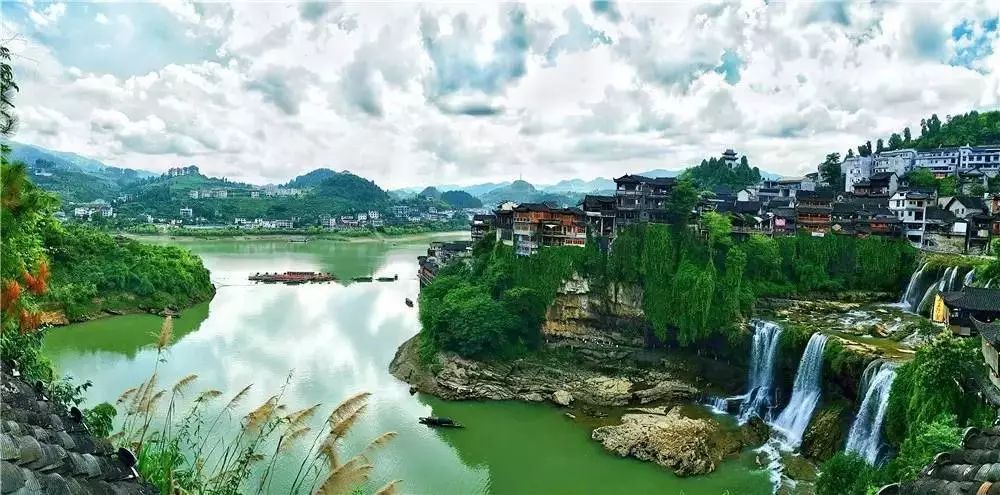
x,y
971,164
437,255
97,208
878,203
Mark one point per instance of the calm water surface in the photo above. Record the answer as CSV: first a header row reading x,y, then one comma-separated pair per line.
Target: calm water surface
x,y
337,340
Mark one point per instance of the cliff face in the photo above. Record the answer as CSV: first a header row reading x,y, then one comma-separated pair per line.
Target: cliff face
x,y
583,317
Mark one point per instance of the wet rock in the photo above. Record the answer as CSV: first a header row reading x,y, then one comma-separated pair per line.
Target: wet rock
x,y
533,397
686,446
562,397
825,434
666,390
457,378
755,432
798,468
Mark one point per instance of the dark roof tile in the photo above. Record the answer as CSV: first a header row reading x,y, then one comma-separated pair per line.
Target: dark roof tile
x,y
975,299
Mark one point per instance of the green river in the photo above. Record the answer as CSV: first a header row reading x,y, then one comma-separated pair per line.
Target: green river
x,y
336,340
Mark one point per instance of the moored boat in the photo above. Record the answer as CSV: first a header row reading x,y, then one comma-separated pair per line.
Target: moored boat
x,y
440,422
292,278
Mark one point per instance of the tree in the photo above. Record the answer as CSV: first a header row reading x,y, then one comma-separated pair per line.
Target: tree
x,y
829,170
921,177
879,146
744,162
846,474
8,119
850,153
895,141
683,199
906,136
528,308
719,229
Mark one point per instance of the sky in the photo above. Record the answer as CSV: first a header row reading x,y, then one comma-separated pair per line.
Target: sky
x,y
409,94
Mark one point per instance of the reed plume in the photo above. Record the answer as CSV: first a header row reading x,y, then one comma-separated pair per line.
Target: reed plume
x,y
289,439
389,488
166,332
235,401
346,477
347,407
261,414
299,417
208,395
379,442
182,384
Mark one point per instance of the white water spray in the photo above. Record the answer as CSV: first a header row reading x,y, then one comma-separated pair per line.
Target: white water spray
x,y
865,436
794,419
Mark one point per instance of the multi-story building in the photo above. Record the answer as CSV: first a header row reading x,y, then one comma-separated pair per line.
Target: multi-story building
x,y
642,199
601,213
878,185
790,187
729,156
480,225
187,213
910,207
505,222
855,170
814,210
950,161
538,224
898,161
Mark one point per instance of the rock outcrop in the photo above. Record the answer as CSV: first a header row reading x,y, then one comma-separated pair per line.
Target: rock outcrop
x,y
825,434
686,446
456,378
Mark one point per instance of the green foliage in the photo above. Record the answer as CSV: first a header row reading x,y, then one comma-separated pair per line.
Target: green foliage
x,y
715,172
148,275
932,385
847,474
921,177
973,128
460,199
718,228
683,199
100,419
938,435
830,171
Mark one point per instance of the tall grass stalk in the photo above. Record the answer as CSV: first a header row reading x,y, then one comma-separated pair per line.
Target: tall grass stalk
x,y
191,452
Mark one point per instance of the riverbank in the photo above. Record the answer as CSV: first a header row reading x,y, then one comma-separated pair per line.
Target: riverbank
x,y
641,412
374,237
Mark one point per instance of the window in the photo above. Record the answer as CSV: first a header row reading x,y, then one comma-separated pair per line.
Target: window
x,y
918,215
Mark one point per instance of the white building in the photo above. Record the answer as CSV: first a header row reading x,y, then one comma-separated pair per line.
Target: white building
x,y
911,209
729,156
949,161
328,222
193,194
856,169
187,213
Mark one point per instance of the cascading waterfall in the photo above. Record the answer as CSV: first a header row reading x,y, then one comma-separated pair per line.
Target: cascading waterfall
x,y
794,419
757,401
969,277
911,287
865,436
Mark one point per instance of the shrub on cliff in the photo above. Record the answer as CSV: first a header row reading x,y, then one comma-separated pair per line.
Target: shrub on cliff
x,y
847,474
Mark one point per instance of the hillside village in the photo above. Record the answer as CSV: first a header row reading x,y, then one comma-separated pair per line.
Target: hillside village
x,y
878,200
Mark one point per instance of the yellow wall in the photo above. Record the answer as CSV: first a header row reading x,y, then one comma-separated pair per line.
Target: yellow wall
x,y
939,312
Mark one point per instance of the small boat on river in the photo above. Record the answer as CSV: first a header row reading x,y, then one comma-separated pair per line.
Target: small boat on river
x,y
292,278
388,279
439,422
409,302
362,279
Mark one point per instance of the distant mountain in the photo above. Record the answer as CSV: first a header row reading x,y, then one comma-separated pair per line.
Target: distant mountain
x,y
580,186
461,199
430,192
348,187
311,179
660,172
72,177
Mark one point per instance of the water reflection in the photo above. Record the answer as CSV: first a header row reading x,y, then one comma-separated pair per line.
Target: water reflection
x,y
338,340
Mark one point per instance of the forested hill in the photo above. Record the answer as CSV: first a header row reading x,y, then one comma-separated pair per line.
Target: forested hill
x,y
972,128
713,173
73,177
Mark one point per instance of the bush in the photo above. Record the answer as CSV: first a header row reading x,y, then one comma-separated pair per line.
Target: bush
x,y
847,474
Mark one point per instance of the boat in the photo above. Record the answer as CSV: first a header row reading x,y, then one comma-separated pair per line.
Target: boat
x,y
440,422
409,302
362,279
292,278
388,279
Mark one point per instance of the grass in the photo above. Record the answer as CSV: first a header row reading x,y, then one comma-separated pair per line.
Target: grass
x,y
193,451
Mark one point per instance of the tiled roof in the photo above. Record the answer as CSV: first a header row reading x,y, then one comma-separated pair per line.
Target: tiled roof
x,y
989,331
939,214
594,202
819,194
545,207
973,469
969,202
814,209
882,176
43,449
974,298
660,181
747,206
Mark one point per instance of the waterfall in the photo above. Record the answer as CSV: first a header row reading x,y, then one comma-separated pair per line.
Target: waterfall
x,y
969,277
794,419
758,399
718,404
943,284
951,280
865,436
910,287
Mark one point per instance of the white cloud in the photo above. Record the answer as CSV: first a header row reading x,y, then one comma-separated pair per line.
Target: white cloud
x,y
408,94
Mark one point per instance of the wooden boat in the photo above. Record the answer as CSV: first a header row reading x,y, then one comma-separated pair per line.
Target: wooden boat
x,y
409,302
292,278
388,279
362,279
439,422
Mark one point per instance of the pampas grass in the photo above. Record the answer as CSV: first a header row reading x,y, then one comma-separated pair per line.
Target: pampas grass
x,y
185,454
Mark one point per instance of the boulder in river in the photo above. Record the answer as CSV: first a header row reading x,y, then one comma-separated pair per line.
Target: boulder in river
x,y
686,446
562,397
